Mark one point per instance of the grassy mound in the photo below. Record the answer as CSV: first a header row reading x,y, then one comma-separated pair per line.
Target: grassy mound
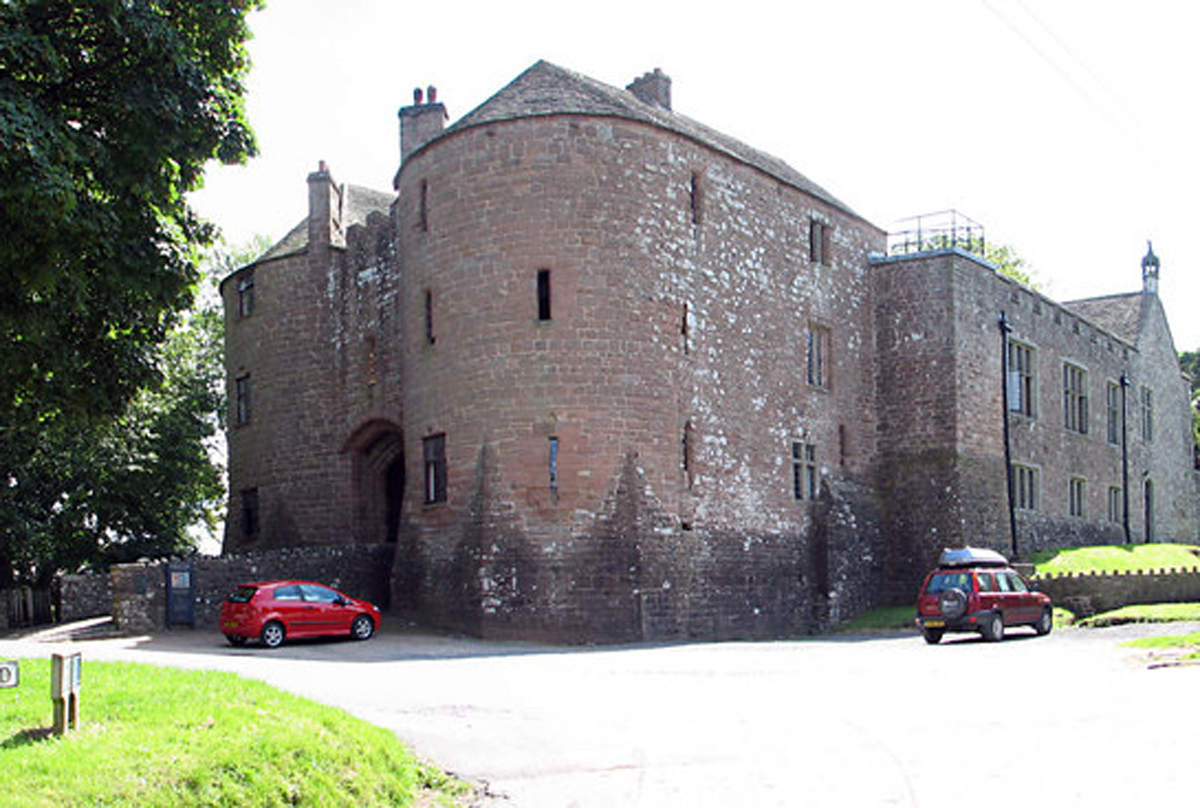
x,y
153,736
1117,558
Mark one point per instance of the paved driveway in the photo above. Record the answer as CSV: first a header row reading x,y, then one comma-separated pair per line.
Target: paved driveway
x,y
1068,720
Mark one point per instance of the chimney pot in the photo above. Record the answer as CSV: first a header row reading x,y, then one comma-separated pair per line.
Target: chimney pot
x,y
432,94
418,97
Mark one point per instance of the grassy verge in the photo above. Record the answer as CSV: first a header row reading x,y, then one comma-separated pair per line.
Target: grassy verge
x,y
1117,558
1177,647
1145,613
154,736
885,619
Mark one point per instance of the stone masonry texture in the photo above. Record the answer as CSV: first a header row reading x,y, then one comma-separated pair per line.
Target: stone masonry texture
x,y
594,372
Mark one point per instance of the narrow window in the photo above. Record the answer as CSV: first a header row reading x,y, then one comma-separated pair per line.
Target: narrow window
x,y
696,198
429,337
435,468
806,481
553,469
1148,502
242,400
1026,484
372,360
543,294
1075,398
1112,400
1020,379
686,450
818,242
1147,415
423,207
816,349
1115,503
250,513
684,331
246,295
1077,496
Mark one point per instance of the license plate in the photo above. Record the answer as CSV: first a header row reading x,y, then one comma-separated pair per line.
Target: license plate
x,y
231,624
935,623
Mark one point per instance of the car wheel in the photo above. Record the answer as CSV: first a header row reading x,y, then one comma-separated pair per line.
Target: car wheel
x,y
952,603
362,628
235,640
1045,622
933,636
992,627
272,634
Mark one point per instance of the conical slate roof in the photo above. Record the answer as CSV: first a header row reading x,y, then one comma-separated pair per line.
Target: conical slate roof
x,y
547,89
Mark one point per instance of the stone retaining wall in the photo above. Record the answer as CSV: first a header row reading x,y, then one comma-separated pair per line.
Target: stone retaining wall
x,y
83,596
1088,594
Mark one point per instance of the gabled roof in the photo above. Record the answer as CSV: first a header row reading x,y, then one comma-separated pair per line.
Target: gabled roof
x,y
357,204
1120,315
547,89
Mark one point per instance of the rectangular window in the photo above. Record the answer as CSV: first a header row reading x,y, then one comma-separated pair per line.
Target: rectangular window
x,y
245,289
1112,400
242,401
818,242
1075,398
423,207
435,469
806,478
1116,504
1020,379
1147,415
429,336
553,469
1078,496
250,513
816,351
1025,483
543,294
696,198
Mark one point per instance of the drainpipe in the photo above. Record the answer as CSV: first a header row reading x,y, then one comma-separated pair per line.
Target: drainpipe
x,y
1124,460
1005,330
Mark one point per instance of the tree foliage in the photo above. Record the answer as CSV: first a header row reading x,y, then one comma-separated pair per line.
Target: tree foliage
x,y
1189,362
109,110
1008,262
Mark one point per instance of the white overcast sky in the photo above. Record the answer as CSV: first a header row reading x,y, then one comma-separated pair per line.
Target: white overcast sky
x,y
1068,128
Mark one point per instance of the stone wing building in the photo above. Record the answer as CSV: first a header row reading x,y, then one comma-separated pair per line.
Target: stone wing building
x,y
599,372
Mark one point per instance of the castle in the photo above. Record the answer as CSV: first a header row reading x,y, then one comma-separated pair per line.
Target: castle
x,y
599,372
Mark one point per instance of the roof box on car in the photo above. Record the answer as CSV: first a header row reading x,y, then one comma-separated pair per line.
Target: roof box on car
x,y
972,557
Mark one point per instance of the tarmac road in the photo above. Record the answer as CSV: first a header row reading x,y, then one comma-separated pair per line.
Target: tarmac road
x,y
1072,719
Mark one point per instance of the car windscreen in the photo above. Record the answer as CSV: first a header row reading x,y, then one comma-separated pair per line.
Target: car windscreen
x,y
243,594
941,581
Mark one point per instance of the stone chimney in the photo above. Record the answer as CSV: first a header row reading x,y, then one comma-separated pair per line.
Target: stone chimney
x,y
653,89
1150,271
324,211
421,122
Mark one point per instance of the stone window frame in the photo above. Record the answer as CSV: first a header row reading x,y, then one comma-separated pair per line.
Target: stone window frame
x,y
245,292
1022,378
242,411
817,341
696,197
1112,401
1075,397
1147,401
433,452
1077,497
806,474
1026,493
545,296
819,237
430,336
552,463
1116,504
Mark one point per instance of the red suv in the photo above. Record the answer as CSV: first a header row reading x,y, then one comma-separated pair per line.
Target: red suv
x,y
975,589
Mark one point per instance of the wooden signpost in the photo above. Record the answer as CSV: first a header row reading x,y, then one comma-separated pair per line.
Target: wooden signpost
x,y
66,677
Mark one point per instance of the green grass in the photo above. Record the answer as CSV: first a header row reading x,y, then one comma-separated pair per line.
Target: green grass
x,y
887,618
153,736
1117,558
1182,646
1145,613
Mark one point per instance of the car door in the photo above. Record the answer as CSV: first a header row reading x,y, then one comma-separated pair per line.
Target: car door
x,y
327,610
288,603
1026,607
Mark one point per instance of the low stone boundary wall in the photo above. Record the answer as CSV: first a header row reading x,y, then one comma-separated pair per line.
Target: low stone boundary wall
x,y
139,591
1089,593
84,596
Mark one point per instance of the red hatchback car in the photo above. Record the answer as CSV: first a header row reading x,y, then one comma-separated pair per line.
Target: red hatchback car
x,y
975,589
274,611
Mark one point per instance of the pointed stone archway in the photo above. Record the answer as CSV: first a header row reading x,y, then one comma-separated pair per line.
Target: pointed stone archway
x,y
378,480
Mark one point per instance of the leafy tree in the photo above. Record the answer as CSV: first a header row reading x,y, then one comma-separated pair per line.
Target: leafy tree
x,y
109,111
1189,361
1008,262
